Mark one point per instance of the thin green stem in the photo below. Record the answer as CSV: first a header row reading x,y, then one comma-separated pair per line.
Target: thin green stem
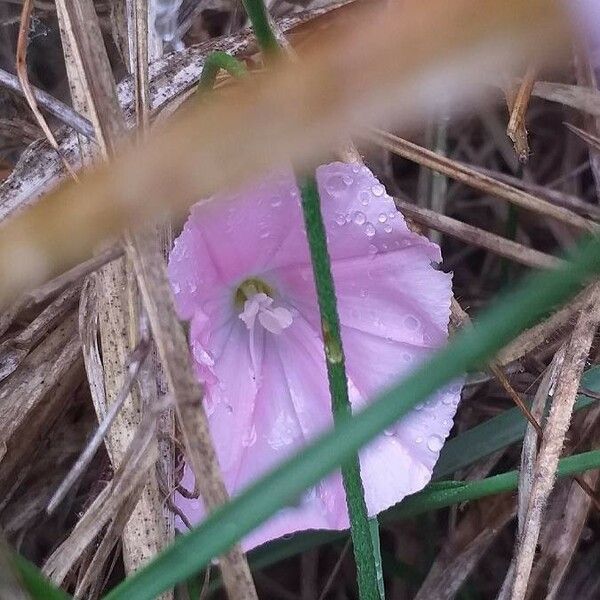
x,y
361,529
216,61
259,18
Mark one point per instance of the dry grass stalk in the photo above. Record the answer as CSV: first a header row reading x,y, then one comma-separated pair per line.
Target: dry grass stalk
x,y
517,105
56,286
465,547
554,434
144,533
36,395
14,349
592,140
295,111
131,475
477,179
477,237
585,99
557,197
21,66
536,336
529,454
565,521
92,577
459,318
134,364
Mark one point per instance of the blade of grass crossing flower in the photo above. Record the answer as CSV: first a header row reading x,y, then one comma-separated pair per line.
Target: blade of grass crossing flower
x,y
216,61
435,496
470,349
361,527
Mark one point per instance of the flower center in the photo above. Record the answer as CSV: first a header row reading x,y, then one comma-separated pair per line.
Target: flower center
x,y
255,299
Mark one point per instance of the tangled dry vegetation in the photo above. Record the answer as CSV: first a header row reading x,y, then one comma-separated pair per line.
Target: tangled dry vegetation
x,y
505,186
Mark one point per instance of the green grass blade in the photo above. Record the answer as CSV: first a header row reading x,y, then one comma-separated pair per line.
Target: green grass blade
x,y
213,63
32,579
470,349
363,536
435,496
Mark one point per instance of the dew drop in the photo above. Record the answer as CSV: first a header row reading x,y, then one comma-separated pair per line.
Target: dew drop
x,y
418,440
176,288
355,168
411,322
388,432
378,190
347,179
360,218
209,405
275,202
382,218
387,228
392,214
435,443
369,230
406,357
419,406
364,197
335,185
340,219
249,438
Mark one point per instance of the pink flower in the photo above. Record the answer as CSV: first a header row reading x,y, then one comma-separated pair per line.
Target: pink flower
x,y
241,273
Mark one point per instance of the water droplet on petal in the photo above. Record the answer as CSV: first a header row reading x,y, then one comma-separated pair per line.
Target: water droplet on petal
x,y
360,218
406,357
335,185
387,228
418,440
347,179
411,322
388,432
364,197
392,214
275,202
419,406
378,190
369,230
435,443
382,218
209,405
176,288
355,168
340,219
249,438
